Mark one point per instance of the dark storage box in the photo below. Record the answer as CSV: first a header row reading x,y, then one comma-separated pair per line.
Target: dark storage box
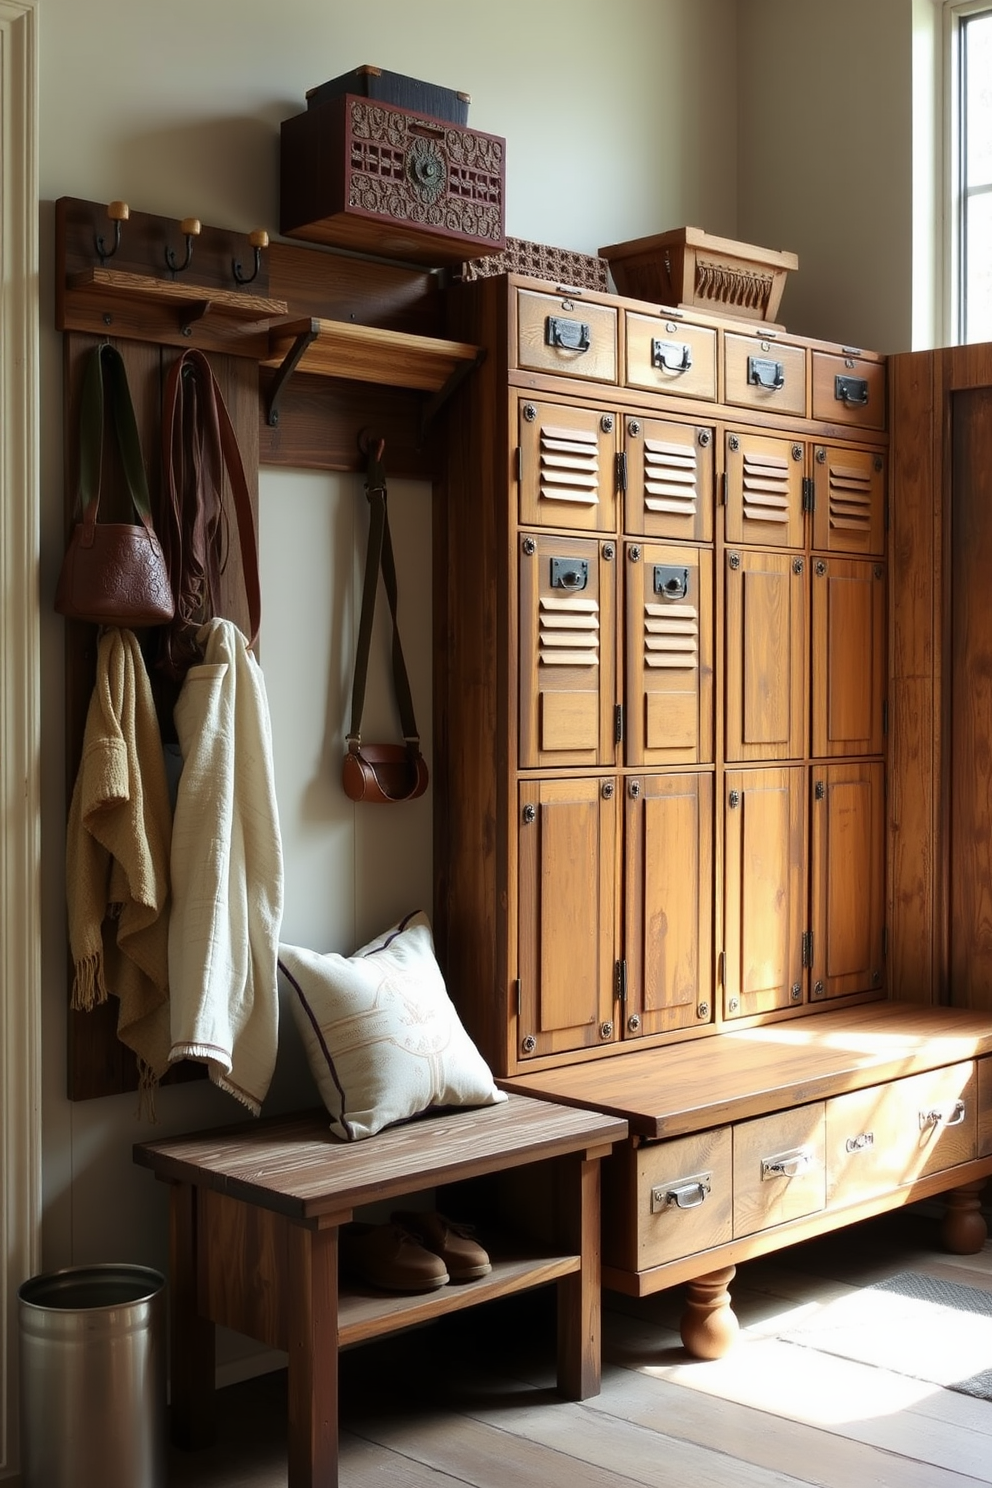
x,y
392,87
377,179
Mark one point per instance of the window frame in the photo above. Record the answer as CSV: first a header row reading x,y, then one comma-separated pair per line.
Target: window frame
x,y
954,13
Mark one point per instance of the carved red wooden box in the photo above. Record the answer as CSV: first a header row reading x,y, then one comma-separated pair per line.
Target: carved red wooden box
x,y
362,175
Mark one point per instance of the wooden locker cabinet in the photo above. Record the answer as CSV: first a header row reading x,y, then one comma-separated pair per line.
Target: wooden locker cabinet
x,y
633,508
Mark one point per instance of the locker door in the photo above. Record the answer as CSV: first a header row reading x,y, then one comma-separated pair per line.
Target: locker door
x,y
568,466
669,479
764,889
766,655
669,655
765,490
849,500
848,871
848,605
567,914
568,641
668,929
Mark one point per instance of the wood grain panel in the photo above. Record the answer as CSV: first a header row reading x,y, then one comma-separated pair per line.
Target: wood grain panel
x,y
668,356
243,1265
744,356
847,871
670,488
764,489
766,656
668,601
567,465
849,500
779,1168
668,906
848,665
696,1172
588,348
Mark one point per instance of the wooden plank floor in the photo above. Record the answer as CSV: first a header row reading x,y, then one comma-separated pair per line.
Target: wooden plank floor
x,y
470,1400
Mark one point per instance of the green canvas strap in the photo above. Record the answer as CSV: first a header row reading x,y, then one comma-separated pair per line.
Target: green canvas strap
x,y
104,375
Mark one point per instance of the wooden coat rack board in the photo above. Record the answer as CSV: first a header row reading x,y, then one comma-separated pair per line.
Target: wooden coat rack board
x,y
310,348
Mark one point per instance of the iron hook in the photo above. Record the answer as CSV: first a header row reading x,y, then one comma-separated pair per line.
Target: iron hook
x,y
118,213
191,227
259,239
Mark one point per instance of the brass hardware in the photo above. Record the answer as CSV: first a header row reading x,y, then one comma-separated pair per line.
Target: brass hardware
x,y
569,573
633,1022
567,335
686,1193
530,813
703,438
938,1116
529,412
634,552
790,1164
821,456
606,423
798,565
733,443
529,1044
819,568
734,560
634,428
609,552
633,789
796,992
734,799
608,789
606,1030
529,546
703,1010
670,581
860,1143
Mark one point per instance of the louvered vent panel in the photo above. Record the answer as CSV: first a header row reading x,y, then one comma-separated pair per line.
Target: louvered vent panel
x,y
766,488
569,466
670,478
671,636
568,632
850,499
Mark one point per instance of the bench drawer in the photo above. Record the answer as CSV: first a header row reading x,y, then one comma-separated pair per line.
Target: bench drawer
x,y
678,1193
889,1135
566,337
667,356
779,1168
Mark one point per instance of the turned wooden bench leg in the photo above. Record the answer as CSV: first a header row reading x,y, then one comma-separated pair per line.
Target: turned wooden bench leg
x,y
964,1230
193,1347
709,1326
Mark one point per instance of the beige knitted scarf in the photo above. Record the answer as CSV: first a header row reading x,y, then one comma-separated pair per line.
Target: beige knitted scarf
x,y
117,858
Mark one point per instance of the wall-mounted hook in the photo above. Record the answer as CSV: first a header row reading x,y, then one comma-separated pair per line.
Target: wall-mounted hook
x,y
259,239
190,226
118,212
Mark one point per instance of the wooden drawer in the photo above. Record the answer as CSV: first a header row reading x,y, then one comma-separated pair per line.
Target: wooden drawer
x,y
667,356
769,375
566,337
848,390
667,1199
779,1168
888,1135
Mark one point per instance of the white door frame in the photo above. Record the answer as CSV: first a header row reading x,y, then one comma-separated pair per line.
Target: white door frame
x,y
20,731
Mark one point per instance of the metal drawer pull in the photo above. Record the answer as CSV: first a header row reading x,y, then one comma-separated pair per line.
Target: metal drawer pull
x,y
671,356
787,1164
860,1143
766,373
940,1117
670,581
851,390
569,573
687,1194
571,335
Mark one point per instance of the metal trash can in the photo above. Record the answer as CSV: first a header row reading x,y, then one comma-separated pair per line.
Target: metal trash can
x,y
93,1401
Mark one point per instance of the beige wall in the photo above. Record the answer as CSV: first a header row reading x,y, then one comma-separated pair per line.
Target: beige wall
x,y
825,160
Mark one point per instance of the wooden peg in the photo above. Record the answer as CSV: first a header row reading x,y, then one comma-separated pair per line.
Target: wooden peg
x,y
258,239
190,227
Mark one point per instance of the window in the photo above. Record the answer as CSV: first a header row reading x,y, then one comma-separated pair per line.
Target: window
x,y
971,59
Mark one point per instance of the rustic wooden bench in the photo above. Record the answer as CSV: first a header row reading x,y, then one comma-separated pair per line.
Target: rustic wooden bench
x,y
255,1213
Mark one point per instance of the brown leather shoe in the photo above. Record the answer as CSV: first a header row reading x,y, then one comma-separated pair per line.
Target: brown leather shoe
x,y
454,1243
390,1257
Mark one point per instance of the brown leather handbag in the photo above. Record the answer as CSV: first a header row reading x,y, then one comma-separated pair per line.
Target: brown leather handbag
x,y
383,774
113,573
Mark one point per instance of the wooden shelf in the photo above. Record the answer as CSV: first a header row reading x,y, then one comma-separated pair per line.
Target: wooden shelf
x,y
360,353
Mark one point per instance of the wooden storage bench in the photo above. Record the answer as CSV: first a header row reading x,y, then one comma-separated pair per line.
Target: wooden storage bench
x,y
770,1135
255,1214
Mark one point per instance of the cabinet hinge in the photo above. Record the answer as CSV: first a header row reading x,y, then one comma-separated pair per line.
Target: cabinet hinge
x,y
519,460
622,472
885,715
721,967
809,493
885,941
618,724
621,982
807,948
723,489
518,995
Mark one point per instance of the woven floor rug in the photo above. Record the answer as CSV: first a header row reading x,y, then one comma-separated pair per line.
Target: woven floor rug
x,y
912,1324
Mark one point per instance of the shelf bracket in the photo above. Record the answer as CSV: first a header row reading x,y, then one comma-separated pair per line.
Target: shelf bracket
x,y
434,404
193,312
289,365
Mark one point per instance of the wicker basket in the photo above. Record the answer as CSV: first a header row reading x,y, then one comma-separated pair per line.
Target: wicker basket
x,y
688,268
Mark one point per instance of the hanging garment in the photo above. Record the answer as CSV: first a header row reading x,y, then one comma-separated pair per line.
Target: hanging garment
x,y
117,857
227,871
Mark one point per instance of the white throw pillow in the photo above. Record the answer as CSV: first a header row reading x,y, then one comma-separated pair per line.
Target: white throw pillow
x,y
382,1036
